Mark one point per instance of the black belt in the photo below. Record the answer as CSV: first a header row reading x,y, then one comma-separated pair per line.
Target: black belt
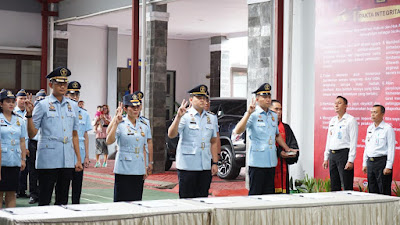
x,y
373,159
338,150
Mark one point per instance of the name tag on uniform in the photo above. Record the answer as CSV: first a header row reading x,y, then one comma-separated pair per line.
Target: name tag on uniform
x,y
192,122
260,120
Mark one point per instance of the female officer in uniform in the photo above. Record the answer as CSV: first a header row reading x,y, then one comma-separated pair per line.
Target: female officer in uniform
x,y
13,133
130,162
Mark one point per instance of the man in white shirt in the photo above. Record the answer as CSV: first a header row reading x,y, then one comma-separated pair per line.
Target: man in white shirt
x,y
341,145
379,153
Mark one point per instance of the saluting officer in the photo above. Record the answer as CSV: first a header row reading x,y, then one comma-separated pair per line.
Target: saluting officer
x,y
149,142
58,121
341,146
31,160
13,133
263,130
130,162
379,153
73,93
197,145
23,175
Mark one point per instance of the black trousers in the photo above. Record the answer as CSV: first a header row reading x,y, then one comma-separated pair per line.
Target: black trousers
x,y
193,184
60,178
77,179
33,173
23,183
339,176
261,180
377,182
128,187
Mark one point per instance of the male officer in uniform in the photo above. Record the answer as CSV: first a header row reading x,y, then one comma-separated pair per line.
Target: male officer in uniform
x,y
262,127
207,108
58,121
379,153
31,160
149,143
23,175
341,145
73,93
197,145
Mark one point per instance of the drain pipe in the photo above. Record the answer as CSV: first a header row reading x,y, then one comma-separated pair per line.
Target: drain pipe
x,y
135,46
45,29
143,51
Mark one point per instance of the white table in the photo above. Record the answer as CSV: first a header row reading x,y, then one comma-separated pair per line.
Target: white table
x,y
339,208
173,212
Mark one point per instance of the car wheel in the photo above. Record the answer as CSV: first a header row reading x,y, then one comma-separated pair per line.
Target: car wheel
x,y
227,168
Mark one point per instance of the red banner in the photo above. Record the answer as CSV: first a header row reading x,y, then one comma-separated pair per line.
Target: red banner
x,y
357,55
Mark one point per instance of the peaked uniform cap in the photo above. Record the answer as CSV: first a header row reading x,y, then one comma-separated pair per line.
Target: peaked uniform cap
x,y
60,74
139,95
131,100
41,93
21,92
200,90
6,94
264,89
73,86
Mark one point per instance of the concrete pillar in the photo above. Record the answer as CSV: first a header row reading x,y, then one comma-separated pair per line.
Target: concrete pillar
x,y
156,80
260,44
219,68
112,79
60,57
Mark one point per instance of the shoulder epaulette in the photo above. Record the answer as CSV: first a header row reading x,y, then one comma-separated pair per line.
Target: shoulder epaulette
x,y
210,112
142,121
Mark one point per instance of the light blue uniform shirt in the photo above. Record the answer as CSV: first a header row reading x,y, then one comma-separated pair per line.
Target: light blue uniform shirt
x,y
380,141
11,134
194,147
262,128
18,111
131,140
84,126
146,122
36,138
56,121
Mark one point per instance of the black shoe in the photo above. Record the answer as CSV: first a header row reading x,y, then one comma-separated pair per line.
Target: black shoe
x,y
22,195
33,200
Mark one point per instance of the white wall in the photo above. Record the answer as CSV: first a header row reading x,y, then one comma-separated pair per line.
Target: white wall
x,y
20,29
190,60
299,101
87,60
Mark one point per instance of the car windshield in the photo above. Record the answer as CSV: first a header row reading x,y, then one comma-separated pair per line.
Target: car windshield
x,y
229,107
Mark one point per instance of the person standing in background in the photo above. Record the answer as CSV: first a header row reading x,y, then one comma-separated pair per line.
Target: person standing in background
x,y
23,175
101,124
31,160
73,93
284,159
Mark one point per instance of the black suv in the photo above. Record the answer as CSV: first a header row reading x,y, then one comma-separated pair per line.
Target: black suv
x,y
233,152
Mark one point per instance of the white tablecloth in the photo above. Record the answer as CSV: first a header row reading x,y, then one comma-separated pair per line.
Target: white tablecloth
x,y
339,208
177,212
